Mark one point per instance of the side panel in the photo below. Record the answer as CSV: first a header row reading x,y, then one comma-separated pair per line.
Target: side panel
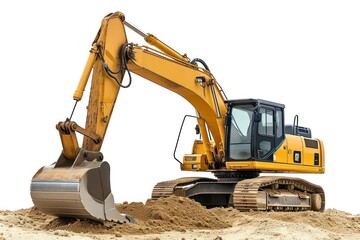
x,y
304,151
281,155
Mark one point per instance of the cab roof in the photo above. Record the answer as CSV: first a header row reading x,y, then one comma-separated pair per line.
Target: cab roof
x,y
254,102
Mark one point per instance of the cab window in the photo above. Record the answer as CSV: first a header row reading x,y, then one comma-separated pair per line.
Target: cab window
x,y
266,124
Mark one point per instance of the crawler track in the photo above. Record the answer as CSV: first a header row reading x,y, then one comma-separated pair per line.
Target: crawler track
x,y
176,187
279,194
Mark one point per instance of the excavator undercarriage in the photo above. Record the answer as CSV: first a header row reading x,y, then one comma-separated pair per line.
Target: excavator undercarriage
x,y
258,194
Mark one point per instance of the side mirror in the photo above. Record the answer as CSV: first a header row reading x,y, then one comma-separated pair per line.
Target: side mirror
x,y
197,129
257,117
227,120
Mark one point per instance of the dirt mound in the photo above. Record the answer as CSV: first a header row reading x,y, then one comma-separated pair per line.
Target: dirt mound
x,y
174,211
184,219
165,214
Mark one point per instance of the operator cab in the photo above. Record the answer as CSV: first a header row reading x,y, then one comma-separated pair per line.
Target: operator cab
x,y
254,129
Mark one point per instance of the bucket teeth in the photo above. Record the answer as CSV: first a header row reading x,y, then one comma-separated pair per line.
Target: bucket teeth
x,y
82,192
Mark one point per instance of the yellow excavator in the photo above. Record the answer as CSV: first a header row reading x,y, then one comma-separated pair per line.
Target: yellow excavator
x,y
239,139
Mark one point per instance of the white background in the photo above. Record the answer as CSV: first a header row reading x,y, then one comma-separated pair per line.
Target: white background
x,y
304,54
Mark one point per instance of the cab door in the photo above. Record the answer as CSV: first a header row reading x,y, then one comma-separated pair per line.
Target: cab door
x,y
265,137
269,132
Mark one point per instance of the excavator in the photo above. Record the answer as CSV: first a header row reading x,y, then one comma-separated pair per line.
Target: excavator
x,y
238,139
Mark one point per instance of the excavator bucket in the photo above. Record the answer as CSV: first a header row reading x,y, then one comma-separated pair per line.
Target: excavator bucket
x,y
80,190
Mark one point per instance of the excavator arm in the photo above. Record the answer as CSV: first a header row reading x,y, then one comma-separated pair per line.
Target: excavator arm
x,y
78,184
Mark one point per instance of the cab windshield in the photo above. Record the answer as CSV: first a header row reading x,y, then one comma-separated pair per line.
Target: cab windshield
x,y
239,141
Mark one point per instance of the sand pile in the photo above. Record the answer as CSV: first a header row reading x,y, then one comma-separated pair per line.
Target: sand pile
x,y
166,214
173,213
183,218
